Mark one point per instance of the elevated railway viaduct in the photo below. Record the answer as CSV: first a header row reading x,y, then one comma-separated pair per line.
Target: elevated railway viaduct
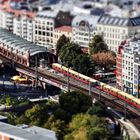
x,y
21,51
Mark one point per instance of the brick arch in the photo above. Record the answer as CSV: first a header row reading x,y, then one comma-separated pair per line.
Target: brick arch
x,y
49,57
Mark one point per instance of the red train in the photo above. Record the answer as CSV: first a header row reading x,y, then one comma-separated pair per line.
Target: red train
x,y
104,87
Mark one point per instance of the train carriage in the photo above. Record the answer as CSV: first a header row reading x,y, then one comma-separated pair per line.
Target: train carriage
x,y
104,87
137,102
129,99
72,73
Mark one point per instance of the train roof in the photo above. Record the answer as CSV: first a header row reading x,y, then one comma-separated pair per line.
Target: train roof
x,y
93,80
136,100
123,94
102,84
75,73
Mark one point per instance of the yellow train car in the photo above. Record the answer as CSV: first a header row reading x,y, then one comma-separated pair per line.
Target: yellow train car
x,y
72,73
104,87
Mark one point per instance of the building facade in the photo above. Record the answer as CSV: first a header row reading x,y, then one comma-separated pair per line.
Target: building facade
x,y
23,27
84,29
44,26
63,30
116,29
119,67
6,20
128,67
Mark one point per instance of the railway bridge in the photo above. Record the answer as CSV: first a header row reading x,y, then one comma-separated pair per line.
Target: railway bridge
x,y
24,56
18,50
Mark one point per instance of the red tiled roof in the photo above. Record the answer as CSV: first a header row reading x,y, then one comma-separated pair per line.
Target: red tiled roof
x,y
64,28
7,8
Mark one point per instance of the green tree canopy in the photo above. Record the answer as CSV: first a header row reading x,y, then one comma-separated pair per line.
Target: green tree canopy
x,y
75,102
92,127
37,115
97,45
69,52
98,109
56,125
62,115
82,63
72,56
63,40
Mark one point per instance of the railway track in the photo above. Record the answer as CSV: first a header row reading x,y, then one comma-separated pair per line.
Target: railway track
x,y
133,115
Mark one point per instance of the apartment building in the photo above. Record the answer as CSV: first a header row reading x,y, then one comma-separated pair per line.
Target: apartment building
x,y
44,26
84,27
116,29
6,20
23,27
136,81
63,30
128,67
119,66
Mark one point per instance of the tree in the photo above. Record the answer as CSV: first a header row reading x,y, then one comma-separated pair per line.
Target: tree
x,y
56,125
8,101
69,52
97,45
60,43
80,61
98,109
37,115
22,120
72,56
75,102
62,115
104,59
97,133
87,127
77,135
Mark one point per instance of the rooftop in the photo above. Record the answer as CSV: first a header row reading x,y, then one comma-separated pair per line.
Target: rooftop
x,y
91,20
117,21
47,14
132,47
2,117
31,133
6,8
19,44
64,28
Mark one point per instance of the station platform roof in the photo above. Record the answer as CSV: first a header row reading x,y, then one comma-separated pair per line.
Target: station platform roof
x,y
19,44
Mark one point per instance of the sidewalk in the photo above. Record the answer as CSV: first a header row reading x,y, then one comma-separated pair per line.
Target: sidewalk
x,y
132,130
